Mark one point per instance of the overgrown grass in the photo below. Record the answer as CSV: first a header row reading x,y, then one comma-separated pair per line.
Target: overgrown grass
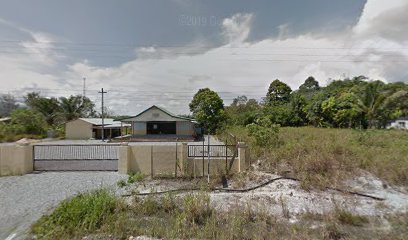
x,y
322,157
77,216
132,178
100,215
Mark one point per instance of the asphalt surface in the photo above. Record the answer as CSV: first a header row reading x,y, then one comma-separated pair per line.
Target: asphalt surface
x,y
24,199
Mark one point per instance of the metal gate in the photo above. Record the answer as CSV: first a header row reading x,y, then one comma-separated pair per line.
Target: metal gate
x,y
86,157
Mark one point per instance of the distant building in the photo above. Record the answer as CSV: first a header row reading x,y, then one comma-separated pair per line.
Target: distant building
x,y
91,128
158,123
400,123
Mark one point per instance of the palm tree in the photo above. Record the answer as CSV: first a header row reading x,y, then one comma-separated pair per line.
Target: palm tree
x,y
76,106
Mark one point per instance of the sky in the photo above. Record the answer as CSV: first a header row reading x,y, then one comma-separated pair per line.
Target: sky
x,y
146,52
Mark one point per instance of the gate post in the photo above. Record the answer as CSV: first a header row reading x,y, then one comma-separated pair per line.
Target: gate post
x,y
243,157
183,159
123,159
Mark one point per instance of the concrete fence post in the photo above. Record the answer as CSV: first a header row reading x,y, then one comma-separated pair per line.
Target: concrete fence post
x,y
243,157
183,158
16,159
123,159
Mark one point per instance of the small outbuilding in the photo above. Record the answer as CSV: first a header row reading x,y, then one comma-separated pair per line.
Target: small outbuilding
x,y
91,128
158,123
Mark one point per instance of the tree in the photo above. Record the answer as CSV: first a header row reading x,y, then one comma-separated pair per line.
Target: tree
x,y
48,107
242,111
26,121
297,110
7,104
240,100
208,109
75,107
278,92
310,84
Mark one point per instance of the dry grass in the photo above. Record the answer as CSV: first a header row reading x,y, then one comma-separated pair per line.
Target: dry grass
x,y
100,215
321,157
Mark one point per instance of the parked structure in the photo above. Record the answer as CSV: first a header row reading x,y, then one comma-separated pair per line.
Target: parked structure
x,y
158,123
400,123
88,128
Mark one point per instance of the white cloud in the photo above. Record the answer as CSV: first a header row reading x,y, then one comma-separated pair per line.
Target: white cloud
x,y
236,29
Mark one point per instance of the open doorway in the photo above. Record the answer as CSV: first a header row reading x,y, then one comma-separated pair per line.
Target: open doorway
x,y
161,128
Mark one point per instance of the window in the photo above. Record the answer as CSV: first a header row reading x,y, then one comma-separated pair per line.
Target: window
x,y
401,124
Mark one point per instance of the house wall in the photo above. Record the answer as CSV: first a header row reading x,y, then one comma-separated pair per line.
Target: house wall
x,y
184,128
78,129
139,128
16,159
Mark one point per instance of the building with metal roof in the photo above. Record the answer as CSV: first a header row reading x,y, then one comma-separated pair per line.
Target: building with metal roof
x,y
158,123
91,128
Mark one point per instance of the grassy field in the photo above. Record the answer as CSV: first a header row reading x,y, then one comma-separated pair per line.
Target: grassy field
x,y
101,215
321,156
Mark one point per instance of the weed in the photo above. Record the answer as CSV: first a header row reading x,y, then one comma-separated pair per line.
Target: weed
x,y
84,213
135,177
346,217
121,183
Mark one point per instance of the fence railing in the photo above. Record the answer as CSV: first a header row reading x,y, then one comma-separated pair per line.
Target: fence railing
x,y
76,152
212,151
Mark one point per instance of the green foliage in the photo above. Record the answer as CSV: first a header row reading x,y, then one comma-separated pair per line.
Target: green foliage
x,y
348,103
135,177
278,92
25,121
76,216
208,109
190,216
324,157
57,111
264,132
75,107
310,84
243,111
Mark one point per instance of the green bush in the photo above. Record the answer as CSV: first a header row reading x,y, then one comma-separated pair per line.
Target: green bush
x,y
78,215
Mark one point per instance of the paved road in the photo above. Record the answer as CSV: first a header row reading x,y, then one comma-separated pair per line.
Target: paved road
x,y
24,199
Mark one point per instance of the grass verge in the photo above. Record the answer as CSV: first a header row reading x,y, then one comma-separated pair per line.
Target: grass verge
x,y
325,157
100,215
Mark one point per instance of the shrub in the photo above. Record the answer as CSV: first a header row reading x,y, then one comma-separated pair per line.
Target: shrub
x,y
81,214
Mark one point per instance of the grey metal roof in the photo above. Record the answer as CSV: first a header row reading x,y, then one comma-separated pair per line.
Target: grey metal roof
x,y
108,122
161,109
98,121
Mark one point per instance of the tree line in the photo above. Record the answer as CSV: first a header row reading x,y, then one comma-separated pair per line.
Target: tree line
x,y
39,114
347,103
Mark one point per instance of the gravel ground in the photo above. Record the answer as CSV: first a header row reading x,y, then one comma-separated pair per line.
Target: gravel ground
x,y
24,199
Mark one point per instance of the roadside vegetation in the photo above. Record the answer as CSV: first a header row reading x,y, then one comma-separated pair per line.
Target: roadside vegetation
x,y
328,157
101,215
38,116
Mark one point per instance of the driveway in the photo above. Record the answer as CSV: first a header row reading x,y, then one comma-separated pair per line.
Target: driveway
x,y
24,199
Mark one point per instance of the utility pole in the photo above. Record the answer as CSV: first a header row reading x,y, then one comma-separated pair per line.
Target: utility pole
x,y
84,88
103,122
